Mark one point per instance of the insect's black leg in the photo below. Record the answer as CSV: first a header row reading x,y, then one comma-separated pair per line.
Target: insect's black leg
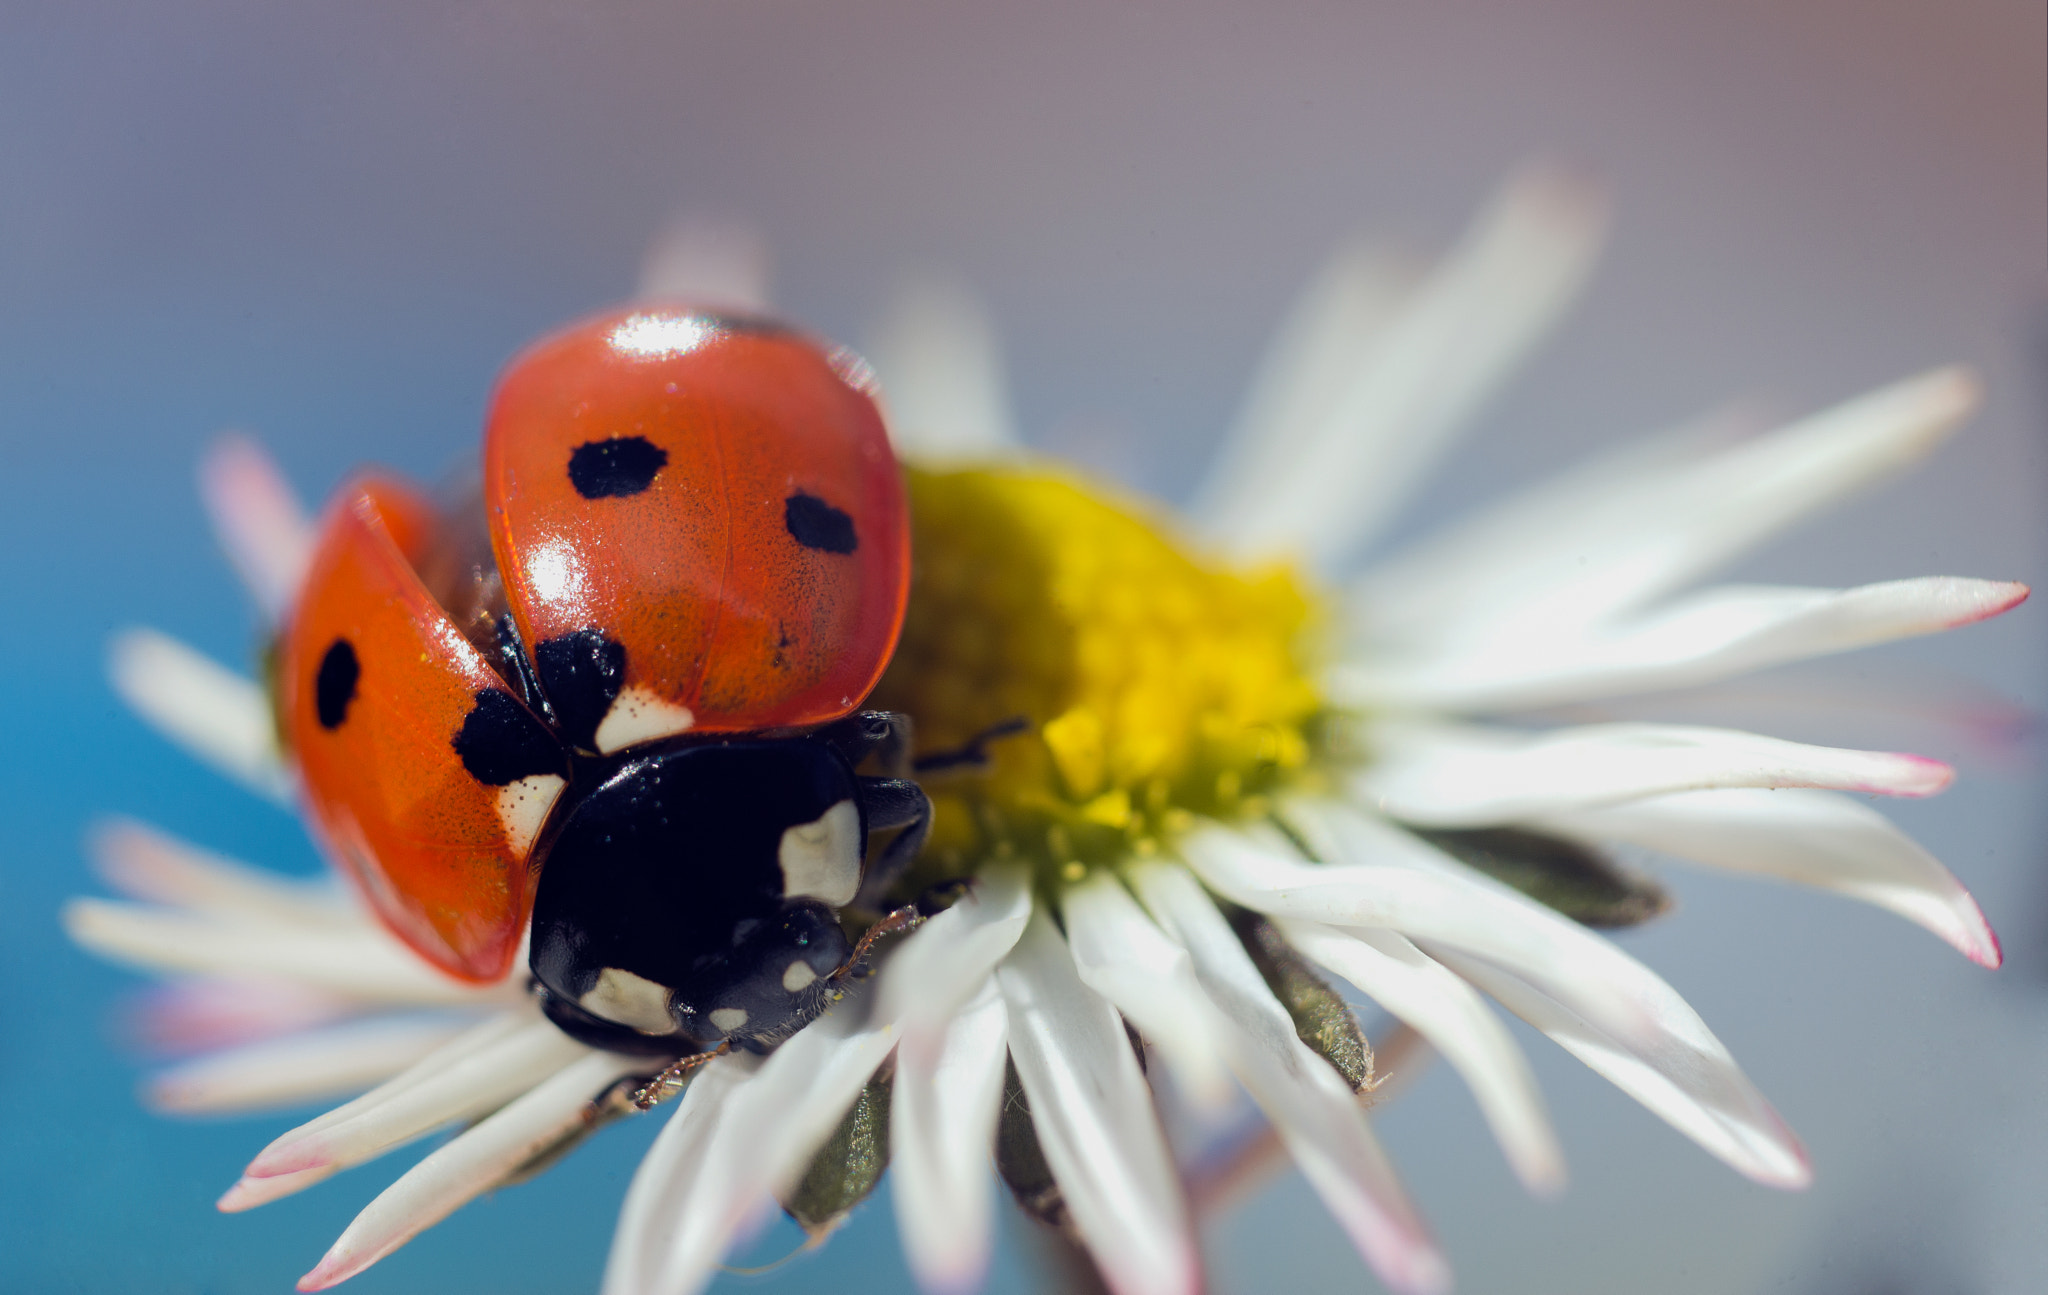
x,y
972,753
884,734
893,803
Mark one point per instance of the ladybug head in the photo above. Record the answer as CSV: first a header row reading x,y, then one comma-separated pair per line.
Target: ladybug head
x,y
691,896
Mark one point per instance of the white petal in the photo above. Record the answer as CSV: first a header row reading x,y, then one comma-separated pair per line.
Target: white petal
x,y
448,1092
764,1140
720,266
943,963
1455,343
1456,776
193,1014
1122,956
148,864
1340,315
1652,531
941,370
478,1160
1424,596
1609,991
942,1125
215,714
362,962
1310,1105
1708,636
1445,1010
1814,838
258,519
303,1067
1095,1121
1714,1105
654,1201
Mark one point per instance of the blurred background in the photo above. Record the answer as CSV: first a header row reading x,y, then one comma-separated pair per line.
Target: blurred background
x,y
330,224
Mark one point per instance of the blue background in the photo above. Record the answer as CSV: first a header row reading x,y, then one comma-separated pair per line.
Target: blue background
x,y
330,225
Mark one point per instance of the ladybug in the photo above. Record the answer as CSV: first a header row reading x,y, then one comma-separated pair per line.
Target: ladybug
x,y
612,695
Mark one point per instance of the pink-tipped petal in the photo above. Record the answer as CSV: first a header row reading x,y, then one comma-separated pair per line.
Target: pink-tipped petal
x,y
1095,1120
200,1013
1310,1105
248,1193
1813,838
1584,555
1440,775
1701,639
1714,1105
474,1162
303,1067
216,715
362,962
437,1092
148,864
942,1125
258,519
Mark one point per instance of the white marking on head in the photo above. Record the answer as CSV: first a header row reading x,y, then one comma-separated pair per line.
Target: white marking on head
x,y
821,859
637,716
523,806
798,977
727,1019
627,999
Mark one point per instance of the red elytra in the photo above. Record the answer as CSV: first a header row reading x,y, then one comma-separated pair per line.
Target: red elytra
x,y
715,496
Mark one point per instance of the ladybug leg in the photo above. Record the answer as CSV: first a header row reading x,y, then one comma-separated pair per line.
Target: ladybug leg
x,y
906,918
892,803
973,753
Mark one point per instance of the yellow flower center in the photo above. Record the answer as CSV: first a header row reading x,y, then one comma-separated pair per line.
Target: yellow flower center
x,y
1152,686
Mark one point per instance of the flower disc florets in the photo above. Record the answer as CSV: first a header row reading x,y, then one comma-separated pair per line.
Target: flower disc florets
x,y
1134,686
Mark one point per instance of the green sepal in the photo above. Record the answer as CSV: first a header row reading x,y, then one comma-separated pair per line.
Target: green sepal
x,y
847,1167
1571,878
1021,1161
1323,1020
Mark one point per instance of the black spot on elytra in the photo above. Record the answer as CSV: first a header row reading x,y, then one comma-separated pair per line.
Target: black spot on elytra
x,y
818,525
623,465
581,673
334,684
501,741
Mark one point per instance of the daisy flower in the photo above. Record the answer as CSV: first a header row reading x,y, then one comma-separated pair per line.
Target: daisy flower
x,y
1210,779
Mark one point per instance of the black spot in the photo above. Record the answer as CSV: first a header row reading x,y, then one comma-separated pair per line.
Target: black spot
x,y
334,685
623,465
581,673
818,525
501,741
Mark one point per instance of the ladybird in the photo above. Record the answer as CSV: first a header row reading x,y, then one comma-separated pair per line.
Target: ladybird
x,y
611,696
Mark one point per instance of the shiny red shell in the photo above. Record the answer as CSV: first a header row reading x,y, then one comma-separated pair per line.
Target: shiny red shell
x,y
755,577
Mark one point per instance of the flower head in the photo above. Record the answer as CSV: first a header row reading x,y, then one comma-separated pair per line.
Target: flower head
x,y
1181,786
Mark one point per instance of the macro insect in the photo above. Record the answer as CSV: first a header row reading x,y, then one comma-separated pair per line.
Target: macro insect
x,y
614,691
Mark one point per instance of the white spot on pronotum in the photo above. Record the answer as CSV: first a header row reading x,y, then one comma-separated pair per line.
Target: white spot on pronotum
x,y
627,999
821,859
727,1019
523,806
637,716
798,977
